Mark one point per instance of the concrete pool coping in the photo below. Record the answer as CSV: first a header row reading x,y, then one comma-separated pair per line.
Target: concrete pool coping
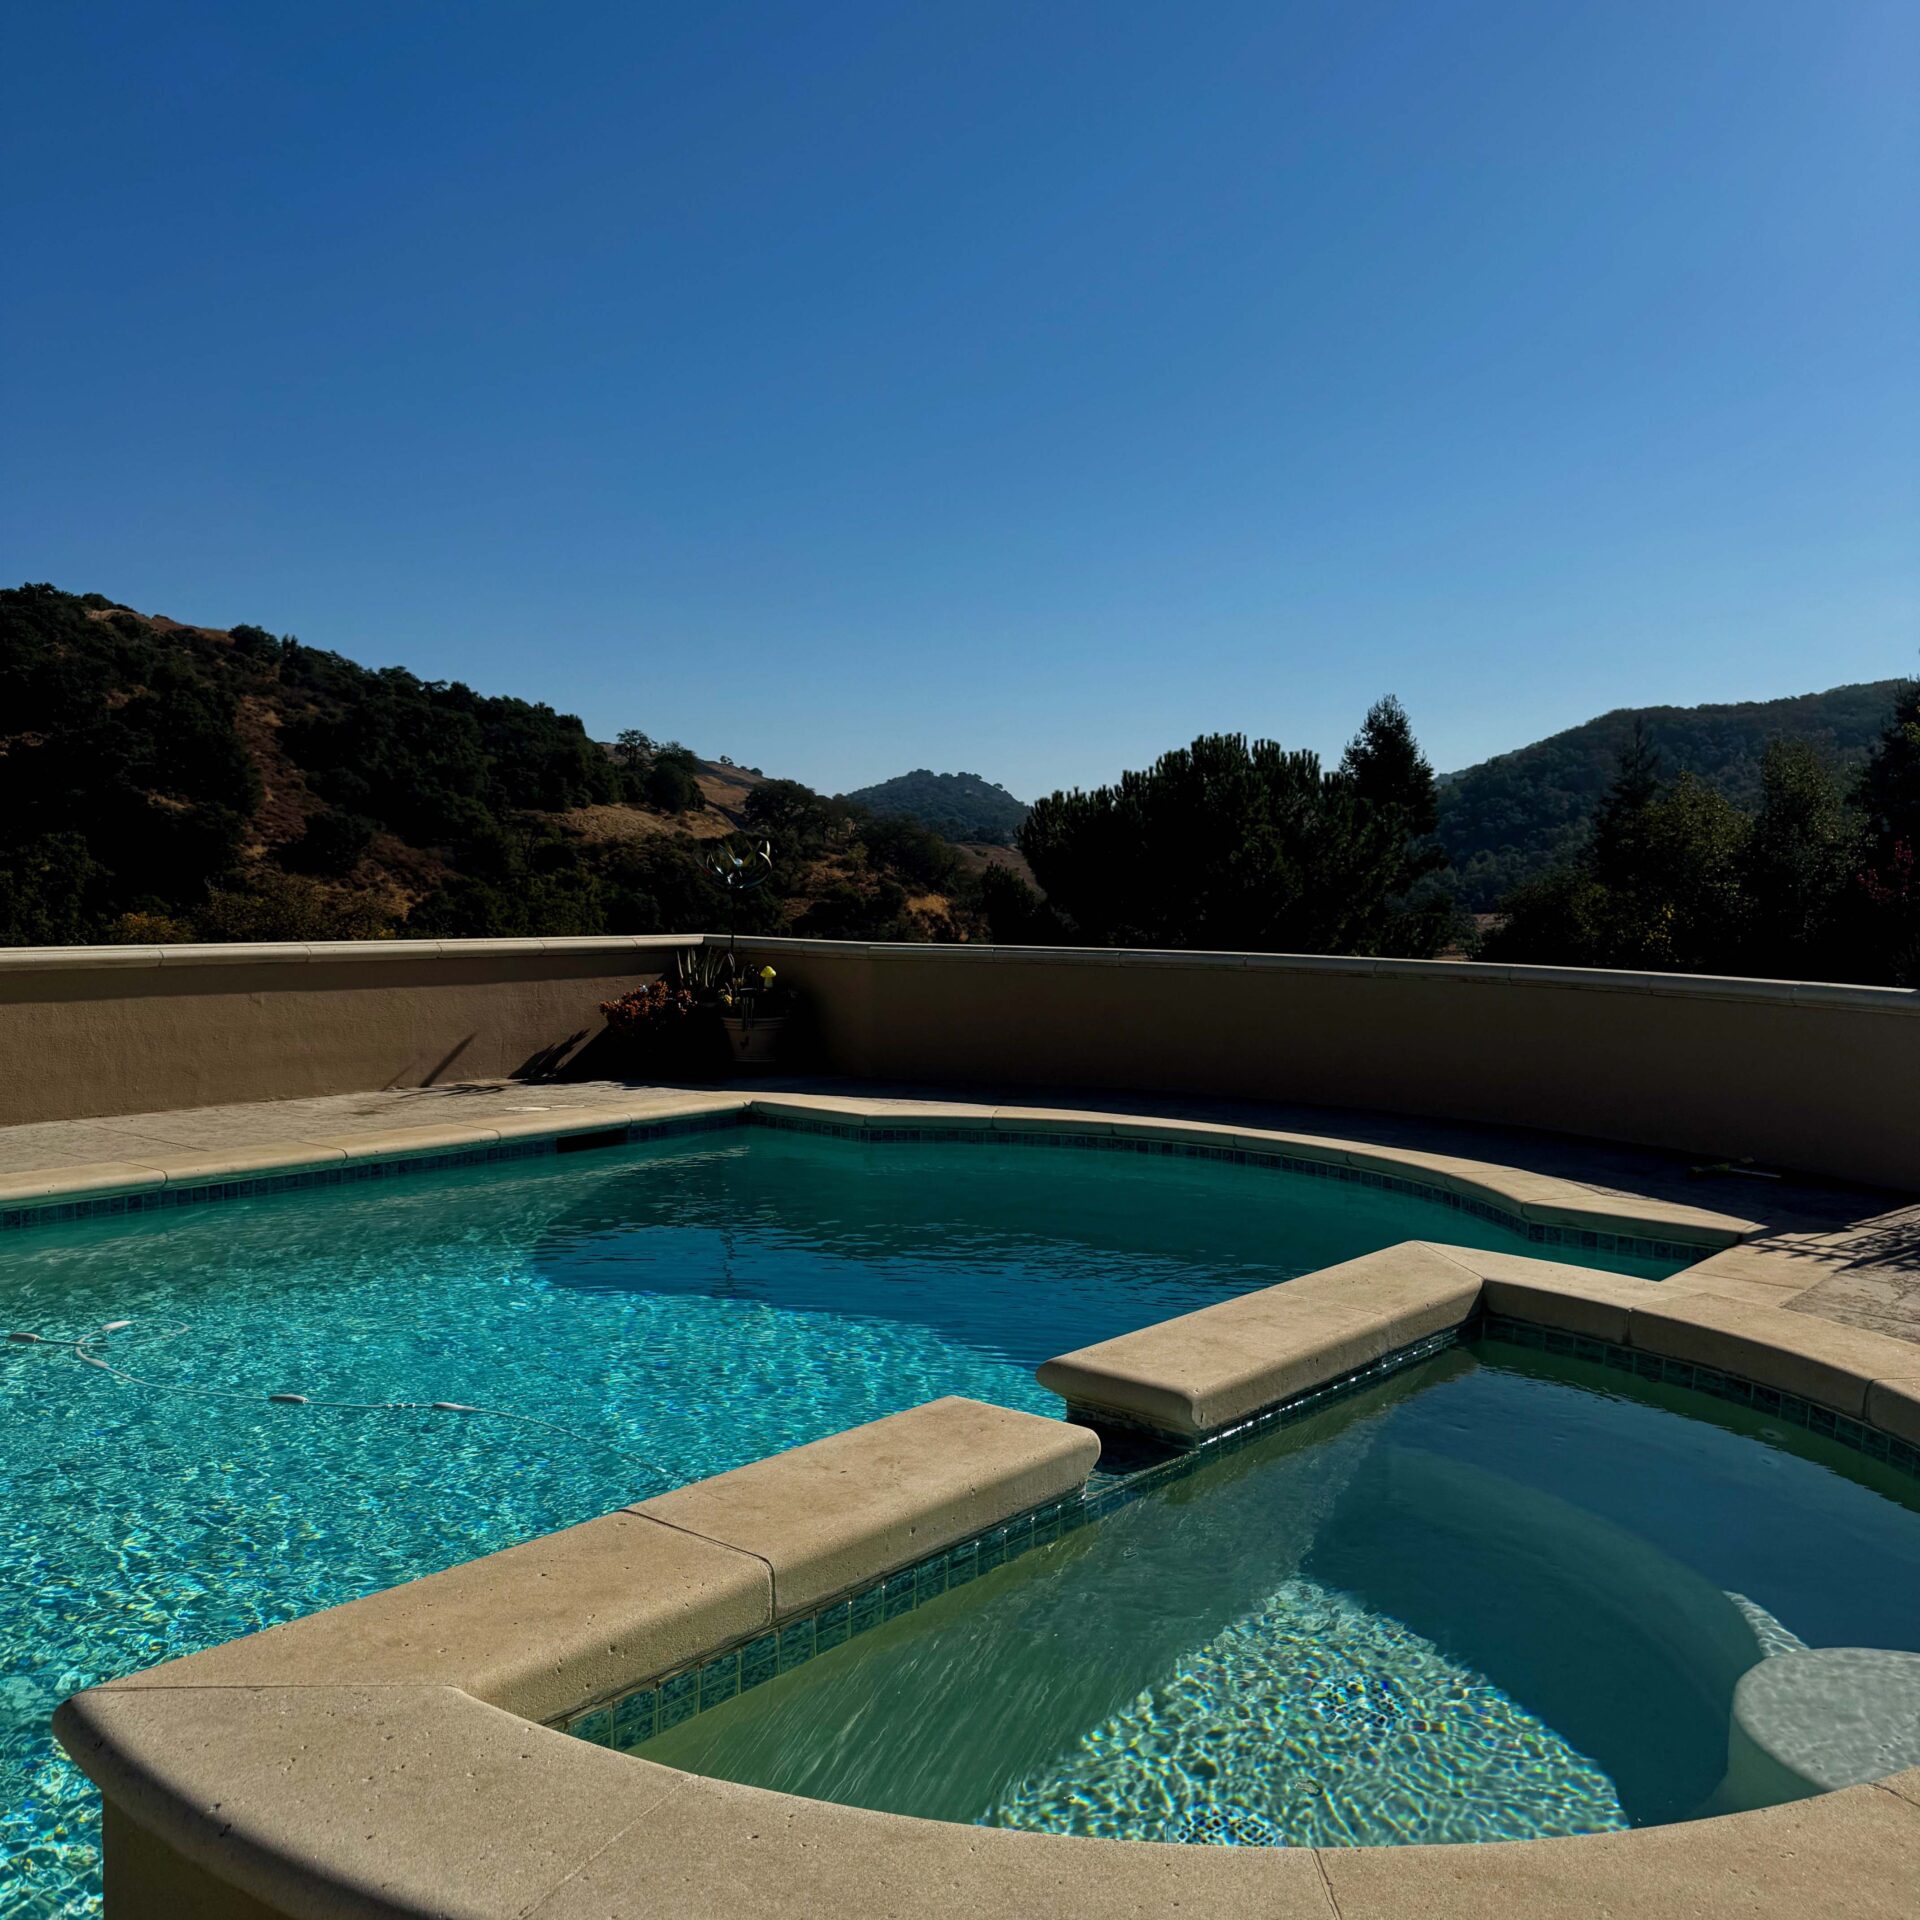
x,y
30,1195
378,1758
1849,1254
1193,1375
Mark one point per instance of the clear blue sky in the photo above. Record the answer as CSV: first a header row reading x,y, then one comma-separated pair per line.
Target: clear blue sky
x,y
1018,388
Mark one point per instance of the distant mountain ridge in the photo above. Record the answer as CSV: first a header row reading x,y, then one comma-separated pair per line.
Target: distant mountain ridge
x,y
1512,817
958,806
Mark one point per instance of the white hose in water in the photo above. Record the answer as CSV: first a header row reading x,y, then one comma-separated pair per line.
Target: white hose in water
x,y
82,1350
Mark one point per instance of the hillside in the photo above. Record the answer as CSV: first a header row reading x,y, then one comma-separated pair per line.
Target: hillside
x,y
1512,817
961,807
165,781
162,781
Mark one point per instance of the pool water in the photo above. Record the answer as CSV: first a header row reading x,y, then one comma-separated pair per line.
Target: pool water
x,y
668,1311
1501,1596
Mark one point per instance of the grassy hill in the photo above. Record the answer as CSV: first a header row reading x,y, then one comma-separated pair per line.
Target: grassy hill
x,y
962,807
164,781
1512,817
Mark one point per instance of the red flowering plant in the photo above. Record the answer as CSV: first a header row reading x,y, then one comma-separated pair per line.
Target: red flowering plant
x,y
674,1018
650,1010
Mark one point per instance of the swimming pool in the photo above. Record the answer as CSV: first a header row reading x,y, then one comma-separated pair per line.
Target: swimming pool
x,y
1504,1595
648,1315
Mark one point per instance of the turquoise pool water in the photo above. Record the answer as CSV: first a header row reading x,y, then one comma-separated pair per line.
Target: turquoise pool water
x,y
1501,1596
667,1311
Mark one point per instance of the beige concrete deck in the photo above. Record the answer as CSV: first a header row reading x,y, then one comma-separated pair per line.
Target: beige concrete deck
x,y
1850,1255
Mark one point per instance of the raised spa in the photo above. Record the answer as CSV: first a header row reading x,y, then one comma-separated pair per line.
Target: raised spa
x,y
1505,1594
628,1320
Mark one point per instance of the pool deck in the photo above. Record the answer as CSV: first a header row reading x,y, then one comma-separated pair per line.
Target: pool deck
x,y
1849,1255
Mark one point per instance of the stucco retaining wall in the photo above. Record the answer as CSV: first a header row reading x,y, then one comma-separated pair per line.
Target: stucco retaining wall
x,y
1822,1079
98,1030
1817,1078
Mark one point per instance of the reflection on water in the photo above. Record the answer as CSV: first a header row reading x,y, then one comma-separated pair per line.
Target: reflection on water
x,y
1500,1596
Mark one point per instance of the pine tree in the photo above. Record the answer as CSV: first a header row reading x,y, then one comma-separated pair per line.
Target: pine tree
x,y
1231,843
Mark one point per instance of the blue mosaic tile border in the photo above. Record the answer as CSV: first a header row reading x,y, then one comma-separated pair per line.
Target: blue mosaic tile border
x,y
1178,1461
348,1173
1683,1252
1787,1407
664,1702
634,1718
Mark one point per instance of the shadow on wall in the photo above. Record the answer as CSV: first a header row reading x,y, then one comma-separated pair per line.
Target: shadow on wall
x,y
549,1061
439,1069
544,1064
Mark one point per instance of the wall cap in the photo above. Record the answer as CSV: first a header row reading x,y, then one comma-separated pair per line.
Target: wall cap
x,y
1865,999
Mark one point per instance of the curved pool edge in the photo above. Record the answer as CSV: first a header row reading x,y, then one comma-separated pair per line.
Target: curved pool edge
x,y
311,1803
1545,1207
376,1759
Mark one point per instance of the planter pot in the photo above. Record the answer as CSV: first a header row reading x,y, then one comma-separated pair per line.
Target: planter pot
x,y
753,1043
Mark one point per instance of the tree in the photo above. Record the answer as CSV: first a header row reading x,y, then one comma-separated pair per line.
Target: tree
x,y
1890,781
1237,844
1686,909
1207,847
1012,914
1889,888
662,885
1618,851
1658,885
911,850
845,911
1802,859
671,784
1387,769
255,644
1514,816
799,822
49,889
1391,807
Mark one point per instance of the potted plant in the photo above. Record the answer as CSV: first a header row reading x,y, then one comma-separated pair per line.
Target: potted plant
x,y
753,1015
705,1003
753,1005
707,999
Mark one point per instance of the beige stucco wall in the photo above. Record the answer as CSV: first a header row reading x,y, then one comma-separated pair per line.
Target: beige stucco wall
x,y
1823,1079
88,1031
1820,1078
